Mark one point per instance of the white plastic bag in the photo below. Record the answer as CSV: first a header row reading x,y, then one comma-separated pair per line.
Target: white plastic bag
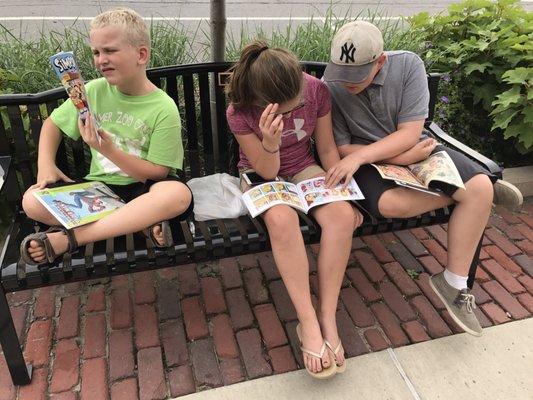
x,y
217,196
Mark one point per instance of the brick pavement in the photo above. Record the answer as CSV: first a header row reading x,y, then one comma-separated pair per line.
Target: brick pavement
x,y
166,333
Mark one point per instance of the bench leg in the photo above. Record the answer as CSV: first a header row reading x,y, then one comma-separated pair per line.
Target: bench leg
x,y
473,266
20,373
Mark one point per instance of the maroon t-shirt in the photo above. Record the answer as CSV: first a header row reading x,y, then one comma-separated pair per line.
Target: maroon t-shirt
x,y
295,149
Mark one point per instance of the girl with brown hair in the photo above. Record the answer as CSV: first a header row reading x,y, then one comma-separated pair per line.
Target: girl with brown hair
x,y
275,111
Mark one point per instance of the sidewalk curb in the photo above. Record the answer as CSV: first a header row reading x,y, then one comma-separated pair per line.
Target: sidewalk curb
x,y
521,177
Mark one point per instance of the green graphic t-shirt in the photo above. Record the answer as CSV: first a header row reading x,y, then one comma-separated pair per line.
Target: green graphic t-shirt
x,y
146,126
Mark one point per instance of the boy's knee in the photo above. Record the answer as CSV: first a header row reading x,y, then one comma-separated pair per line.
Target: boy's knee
x,y
391,206
182,197
173,194
480,188
30,204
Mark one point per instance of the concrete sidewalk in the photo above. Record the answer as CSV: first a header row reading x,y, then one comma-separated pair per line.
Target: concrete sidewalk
x,y
498,365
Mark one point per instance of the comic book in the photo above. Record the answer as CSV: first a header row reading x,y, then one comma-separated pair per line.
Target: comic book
x,y
302,196
424,175
80,203
67,71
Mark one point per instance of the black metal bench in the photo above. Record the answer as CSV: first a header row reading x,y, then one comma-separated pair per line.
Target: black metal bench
x,y
198,92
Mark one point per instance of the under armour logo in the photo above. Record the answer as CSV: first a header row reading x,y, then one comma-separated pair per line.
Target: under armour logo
x,y
348,52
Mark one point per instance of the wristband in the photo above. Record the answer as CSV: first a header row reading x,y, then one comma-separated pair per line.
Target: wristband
x,y
269,151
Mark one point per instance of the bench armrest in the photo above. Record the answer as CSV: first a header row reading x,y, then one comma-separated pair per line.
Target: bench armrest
x,y
463,148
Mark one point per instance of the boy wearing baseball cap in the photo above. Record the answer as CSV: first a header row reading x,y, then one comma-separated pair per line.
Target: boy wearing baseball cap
x,y
379,105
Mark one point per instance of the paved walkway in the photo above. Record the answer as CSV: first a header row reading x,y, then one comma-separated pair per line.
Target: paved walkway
x,y
496,366
176,331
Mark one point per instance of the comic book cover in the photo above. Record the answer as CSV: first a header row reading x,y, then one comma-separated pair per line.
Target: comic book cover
x,y
79,204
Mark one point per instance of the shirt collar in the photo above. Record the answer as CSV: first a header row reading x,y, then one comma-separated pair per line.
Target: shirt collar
x,y
382,74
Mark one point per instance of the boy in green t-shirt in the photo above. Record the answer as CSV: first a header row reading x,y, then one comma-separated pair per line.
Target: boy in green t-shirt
x,y
140,153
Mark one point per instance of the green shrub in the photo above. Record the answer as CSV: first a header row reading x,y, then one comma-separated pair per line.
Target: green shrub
x,y
487,49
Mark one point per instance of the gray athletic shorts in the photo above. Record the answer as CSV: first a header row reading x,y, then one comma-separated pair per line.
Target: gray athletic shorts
x,y
373,185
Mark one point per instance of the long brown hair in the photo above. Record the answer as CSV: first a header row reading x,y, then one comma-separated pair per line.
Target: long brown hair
x,y
264,75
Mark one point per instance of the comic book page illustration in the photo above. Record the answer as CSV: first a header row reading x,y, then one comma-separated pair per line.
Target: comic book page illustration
x,y
305,195
437,167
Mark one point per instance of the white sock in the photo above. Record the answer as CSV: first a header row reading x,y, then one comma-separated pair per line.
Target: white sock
x,y
456,281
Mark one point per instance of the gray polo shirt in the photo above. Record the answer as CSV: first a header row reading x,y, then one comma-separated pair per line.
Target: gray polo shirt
x,y
399,93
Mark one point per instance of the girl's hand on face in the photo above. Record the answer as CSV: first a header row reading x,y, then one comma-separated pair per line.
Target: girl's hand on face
x,y
271,126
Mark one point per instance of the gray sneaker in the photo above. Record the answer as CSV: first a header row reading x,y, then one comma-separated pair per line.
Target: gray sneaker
x,y
506,194
459,303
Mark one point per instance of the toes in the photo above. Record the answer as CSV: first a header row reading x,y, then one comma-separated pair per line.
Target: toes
x,y
36,252
34,245
157,232
318,364
325,360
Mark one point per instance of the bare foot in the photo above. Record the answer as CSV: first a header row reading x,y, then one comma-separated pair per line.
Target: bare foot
x,y
329,329
312,340
58,241
157,233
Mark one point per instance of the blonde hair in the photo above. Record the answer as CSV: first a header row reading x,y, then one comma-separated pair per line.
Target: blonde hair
x,y
264,75
135,29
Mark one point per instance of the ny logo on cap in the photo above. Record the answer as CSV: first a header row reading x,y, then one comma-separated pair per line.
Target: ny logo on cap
x,y
347,52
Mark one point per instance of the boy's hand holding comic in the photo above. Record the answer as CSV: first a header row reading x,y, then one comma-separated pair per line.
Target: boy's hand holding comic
x,y
99,140
271,126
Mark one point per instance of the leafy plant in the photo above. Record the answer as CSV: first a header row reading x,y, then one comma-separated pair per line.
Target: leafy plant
x,y
487,47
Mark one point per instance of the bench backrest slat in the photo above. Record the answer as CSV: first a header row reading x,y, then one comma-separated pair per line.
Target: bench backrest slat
x,y
22,150
190,133
206,124
223,135
36,122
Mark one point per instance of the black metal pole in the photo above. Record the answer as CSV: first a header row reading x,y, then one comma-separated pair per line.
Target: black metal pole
x,y
20,373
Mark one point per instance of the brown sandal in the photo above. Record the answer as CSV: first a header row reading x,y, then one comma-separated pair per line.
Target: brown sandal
x,y
42,239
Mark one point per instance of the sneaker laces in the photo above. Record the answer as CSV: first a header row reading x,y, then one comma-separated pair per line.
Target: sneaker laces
x,y
466,298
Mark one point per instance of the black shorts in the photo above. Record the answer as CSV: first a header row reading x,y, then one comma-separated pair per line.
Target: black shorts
x,y
373,185
136,189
